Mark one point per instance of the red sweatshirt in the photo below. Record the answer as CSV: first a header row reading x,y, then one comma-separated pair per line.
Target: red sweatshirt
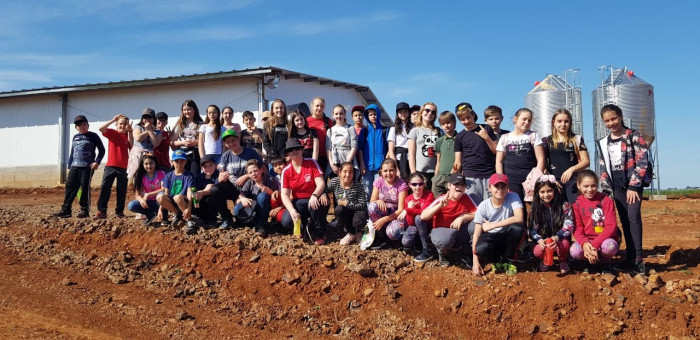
x,y
594,220
420,205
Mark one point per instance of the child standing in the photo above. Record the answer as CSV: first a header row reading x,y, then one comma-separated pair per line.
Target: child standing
x,y
276,131
252,137
595,226
358,114
445,151
82,162
119,143
341,141
350,202
623,164
319,123
498,226
185,135
227,120
177,197
387,203
519,151
147,185
566,153
372,143
475,153
162,151
550,222
398,139
300,130
146,139
493,116
210,135
421,144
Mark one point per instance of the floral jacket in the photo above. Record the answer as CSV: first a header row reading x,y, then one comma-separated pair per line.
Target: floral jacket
x,y
635,159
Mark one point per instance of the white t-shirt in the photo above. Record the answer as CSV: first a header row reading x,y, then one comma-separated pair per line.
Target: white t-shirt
x,y
401,140
211,146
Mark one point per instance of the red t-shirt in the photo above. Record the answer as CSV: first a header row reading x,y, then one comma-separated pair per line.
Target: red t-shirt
x,y
162,151
452,210
420,204
320,128
301,184
117,148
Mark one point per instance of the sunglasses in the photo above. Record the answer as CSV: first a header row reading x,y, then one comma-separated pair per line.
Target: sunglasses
x,y
419,184
429,111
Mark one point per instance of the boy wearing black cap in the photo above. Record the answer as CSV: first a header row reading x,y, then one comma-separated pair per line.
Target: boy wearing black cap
x,y
204,211
82,162
162,151
451,215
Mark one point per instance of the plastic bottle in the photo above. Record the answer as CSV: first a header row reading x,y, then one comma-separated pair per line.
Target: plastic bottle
x,y
195,201
297,227
548,252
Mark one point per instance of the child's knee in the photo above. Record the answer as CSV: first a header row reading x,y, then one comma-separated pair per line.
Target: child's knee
x,y
538,251
609,248
576,251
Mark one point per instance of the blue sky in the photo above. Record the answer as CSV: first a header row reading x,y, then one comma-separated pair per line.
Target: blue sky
x,y
413,51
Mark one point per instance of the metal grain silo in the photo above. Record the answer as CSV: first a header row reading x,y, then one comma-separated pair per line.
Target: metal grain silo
x,y
551,94
633,95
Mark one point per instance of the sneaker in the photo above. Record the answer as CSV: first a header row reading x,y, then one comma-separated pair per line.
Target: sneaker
x,y
190,228
83,214
379,246
590,269
260,231
226,224
138,216
423,257
606,268
625,267
319,241
640,268
100,216
177,220
564,268
62,214
442,262
148,219
347,240
543,267
467,261
120,214
165,222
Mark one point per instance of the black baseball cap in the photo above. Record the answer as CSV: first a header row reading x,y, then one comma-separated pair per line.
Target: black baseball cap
x,y
79,119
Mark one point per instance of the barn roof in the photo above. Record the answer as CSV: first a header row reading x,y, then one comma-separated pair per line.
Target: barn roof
x,y
364,91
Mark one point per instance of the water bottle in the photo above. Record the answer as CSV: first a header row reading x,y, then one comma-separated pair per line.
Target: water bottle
x,y
195,201
548,252
297,227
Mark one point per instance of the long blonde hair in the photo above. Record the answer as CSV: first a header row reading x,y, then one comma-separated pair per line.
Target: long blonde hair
x,y
570,137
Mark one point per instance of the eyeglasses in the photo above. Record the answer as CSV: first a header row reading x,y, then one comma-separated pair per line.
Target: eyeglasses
x,y
429,111
419,184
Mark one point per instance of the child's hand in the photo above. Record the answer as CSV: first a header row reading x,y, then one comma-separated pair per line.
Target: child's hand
x,y
381,205
94,166
274,212
378,224
160,214
542,243
186,214
143,203
483,134
402,215
476,266
411,204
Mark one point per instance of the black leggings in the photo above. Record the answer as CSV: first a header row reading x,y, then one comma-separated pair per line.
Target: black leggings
x,y
631,219
501,245
351,221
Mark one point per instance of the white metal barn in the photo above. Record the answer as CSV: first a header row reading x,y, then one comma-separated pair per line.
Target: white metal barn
x,y
36,126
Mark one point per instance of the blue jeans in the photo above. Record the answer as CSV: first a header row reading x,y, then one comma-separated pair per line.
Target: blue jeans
x,y
261,210
135,206
367,180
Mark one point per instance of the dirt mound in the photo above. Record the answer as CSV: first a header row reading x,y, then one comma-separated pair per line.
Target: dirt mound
x,y
115,278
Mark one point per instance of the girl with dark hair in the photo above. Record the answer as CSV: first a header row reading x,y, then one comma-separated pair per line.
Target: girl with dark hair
x,y
298,128
623,164
550,223
210,135
227,120
566,153
350,203
185,134
398,139
147,185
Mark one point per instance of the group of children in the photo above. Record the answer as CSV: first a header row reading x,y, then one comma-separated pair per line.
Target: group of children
x,y
429,189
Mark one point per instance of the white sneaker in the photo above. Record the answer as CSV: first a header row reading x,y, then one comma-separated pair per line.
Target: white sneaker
x,y
139,217
347,240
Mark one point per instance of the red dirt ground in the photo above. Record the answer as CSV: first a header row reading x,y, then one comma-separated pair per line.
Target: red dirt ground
x,y
115,279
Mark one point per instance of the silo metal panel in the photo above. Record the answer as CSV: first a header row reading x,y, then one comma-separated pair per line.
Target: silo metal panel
x,y
547,97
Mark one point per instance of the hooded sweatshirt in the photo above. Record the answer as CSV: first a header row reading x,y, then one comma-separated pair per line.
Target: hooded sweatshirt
x,y
372,141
